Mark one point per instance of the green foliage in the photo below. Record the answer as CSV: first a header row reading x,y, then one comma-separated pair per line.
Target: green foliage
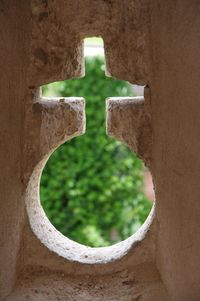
x,y
91,187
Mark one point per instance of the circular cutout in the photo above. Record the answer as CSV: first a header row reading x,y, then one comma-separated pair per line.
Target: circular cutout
x,y
65,247
92,190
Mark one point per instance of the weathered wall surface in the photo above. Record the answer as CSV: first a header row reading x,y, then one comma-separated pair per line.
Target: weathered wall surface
x,y
150,43
14,32
176,110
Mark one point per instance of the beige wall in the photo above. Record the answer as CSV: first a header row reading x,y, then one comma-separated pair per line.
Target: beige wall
x,y
154,43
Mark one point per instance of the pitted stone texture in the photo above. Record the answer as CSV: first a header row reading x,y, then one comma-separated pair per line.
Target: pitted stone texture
x,y
155,42
62,119
50,122
53,51
58,28
141,284
129,121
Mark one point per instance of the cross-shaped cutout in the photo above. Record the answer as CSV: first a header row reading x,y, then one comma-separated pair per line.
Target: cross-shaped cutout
x,y
64,118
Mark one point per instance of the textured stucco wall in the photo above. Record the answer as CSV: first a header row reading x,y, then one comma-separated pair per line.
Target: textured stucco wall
x,y
14,32
153,43
176,111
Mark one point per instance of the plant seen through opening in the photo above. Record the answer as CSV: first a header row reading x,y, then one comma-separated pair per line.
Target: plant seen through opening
x,y
92,187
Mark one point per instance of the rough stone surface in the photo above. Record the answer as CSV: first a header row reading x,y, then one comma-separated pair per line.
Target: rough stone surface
x,y
129,120
58,28
153,43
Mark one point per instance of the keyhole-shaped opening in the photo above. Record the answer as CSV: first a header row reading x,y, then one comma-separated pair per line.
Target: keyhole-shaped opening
x,y
93,187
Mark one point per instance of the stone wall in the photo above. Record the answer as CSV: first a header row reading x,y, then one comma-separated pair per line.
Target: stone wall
x,y
152,43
